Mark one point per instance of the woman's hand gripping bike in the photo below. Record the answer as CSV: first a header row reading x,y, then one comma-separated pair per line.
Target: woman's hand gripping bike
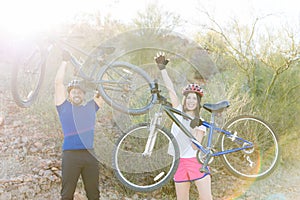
x,y
122,85
142,161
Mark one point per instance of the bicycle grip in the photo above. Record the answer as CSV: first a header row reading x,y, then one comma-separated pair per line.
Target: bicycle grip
x,y
154,87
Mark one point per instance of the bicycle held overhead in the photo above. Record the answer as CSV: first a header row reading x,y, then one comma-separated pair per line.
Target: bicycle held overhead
x,y
247,145
119,83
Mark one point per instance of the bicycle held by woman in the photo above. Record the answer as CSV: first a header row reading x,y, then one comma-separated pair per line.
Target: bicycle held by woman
x,y
247,145
119,83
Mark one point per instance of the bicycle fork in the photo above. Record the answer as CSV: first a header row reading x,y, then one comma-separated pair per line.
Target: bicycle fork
x,y
152,134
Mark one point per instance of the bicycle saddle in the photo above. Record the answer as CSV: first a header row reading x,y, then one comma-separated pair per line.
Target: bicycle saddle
x,y
217,107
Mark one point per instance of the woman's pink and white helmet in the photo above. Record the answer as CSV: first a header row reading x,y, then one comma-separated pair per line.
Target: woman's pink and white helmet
x,y
193,87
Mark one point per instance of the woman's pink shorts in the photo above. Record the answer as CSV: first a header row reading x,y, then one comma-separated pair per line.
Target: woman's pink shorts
x,y
188,170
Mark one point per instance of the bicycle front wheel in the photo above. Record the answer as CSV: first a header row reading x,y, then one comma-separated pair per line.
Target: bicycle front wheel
x,y
142,170
251,163
126,88
27,75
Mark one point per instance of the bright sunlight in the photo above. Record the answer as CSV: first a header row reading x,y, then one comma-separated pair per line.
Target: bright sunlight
x,y
20,18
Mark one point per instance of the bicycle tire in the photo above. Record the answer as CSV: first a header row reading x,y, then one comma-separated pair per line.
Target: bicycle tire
x,y
126,88
144,173
27,76
264,154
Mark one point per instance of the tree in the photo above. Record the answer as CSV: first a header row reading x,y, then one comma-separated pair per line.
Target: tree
x,y
263,67
155,17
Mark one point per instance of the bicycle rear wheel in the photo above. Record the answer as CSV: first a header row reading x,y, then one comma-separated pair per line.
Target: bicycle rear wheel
x,y
144,173
254,163
27,75
126,88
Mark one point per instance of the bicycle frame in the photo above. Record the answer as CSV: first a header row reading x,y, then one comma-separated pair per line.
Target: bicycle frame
x,y
74,60
171,112
97,60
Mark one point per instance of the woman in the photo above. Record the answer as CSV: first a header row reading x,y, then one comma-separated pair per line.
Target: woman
x,y
189,168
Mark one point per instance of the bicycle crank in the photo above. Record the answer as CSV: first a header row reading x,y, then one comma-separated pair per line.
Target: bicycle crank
x,y
247,150
201,157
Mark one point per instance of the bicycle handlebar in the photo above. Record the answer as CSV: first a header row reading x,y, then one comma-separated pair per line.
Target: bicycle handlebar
x,y
161,99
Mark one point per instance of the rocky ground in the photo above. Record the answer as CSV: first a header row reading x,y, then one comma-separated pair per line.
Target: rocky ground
x,y
30,163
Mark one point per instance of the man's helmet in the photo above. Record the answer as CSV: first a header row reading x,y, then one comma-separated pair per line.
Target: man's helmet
x,y
74,84
193,87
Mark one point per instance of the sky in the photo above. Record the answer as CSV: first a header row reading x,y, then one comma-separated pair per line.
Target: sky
x,y
27,16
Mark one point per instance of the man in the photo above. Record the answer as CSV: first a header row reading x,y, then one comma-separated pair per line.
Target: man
x,y
77,119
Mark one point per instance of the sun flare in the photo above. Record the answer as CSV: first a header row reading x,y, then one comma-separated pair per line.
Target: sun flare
x,y
19,18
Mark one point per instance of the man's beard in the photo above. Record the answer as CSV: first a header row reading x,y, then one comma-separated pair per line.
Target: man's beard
x,y
77,100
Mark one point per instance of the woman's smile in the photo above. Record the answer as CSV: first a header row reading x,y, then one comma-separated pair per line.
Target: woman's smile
x,y
191,101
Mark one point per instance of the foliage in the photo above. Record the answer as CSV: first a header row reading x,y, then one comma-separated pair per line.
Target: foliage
x,y
155,17
261,73
258,74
